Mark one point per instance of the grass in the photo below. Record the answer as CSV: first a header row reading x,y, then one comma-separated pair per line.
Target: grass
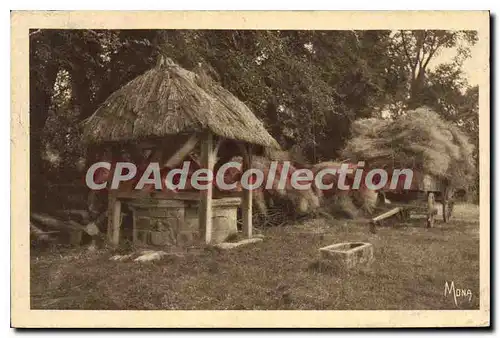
x,y
411,266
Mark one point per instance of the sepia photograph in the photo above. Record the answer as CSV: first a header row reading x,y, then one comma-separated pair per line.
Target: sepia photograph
x,y
250,165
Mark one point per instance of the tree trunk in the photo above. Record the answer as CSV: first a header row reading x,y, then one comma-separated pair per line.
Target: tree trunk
x,y
82,95
416,91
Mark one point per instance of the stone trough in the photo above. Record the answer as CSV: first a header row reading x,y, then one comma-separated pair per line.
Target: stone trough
x,y
348,255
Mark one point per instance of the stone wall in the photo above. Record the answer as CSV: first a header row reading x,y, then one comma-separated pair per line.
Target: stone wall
x,y
175,222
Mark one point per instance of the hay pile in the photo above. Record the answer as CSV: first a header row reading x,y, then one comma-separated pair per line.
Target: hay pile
x,y
341,205
300,201
365,200
351,204
419,140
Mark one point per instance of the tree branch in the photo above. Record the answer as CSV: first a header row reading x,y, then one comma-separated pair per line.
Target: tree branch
x,y
432,49
419,48
409,58
404,46
431,54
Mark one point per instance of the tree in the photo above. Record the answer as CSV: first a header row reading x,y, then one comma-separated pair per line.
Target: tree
x,y
307,86
89,65
416,49
43,72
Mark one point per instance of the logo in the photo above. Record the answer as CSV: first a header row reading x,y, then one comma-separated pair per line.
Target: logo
x,y
278,176
449,289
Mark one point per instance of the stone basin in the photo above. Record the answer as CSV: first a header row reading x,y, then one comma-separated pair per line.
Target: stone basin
x,y
348,255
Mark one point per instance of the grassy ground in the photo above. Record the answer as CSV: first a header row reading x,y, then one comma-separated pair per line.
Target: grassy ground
x,y
411,266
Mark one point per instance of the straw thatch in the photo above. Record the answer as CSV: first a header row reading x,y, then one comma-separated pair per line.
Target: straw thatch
x,y
168,100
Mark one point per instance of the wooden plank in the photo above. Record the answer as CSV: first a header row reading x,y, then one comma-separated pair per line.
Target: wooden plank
x,y
134,226
247,196
116,222
82,215
53,222
227,194
413,206
146,145
169,195
386,214
180,154
217,146
114,218
132,194
39,234
111,204
205,210
184,195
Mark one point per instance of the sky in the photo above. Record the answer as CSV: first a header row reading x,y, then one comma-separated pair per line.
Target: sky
x,y
471,67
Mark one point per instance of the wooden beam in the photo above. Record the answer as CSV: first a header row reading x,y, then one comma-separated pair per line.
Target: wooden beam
x,y
39,234
114,219
217,147
134,226
247,195
205,211
54,223
111,204
146,145
156,155
386,214
183,151
117,222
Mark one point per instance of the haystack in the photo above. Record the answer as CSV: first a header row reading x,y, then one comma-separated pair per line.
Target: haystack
x,y
420,140
365,199
348,203
303,201
341,205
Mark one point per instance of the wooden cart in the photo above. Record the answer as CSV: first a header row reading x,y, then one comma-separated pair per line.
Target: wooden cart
x,y
422,196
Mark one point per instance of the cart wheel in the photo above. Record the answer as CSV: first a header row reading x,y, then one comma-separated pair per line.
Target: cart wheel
x,y
431,211
448,205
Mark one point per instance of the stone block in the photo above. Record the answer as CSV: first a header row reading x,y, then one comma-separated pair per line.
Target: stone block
x,y
348,255
227,245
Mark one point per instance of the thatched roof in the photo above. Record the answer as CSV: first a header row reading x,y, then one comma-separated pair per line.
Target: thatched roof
x,y
168,100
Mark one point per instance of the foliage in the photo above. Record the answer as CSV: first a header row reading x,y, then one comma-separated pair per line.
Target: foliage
x,y
415,50
306,86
